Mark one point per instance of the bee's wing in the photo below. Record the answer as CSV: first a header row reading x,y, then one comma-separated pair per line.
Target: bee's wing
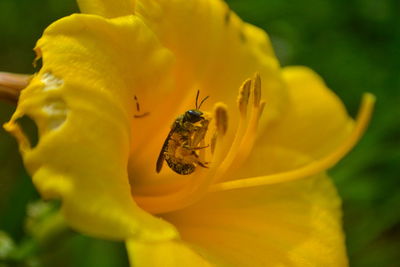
x,y
161,157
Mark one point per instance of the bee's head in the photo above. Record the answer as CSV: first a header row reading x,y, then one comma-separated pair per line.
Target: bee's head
x,y
193,115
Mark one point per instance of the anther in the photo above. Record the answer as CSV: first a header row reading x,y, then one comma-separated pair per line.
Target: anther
x,y
214,142
257,89
221,118
138,116
243,97
137,104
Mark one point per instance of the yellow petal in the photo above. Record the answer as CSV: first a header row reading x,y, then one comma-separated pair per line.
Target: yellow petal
x,y
82,101
290,224
316,121
107,8
215,51
166,254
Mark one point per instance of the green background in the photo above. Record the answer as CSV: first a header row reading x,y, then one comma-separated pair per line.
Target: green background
x,y
354,45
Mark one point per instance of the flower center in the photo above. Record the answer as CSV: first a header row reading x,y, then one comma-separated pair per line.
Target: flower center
x,y
223,162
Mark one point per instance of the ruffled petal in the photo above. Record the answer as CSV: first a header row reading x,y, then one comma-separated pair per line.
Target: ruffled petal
x,y
290,224
107,8
82,101
166,254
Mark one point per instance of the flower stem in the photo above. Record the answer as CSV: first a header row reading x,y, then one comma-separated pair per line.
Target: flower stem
x,y
11,85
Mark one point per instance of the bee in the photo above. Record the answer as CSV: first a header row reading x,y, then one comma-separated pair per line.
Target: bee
x,y
182,143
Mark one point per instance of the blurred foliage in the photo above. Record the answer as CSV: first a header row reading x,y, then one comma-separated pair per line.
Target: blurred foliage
x,y
354,45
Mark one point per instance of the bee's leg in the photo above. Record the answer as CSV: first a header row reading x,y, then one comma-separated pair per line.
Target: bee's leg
x,y
202,164
194,148
200,147
199,134
195,154
198,162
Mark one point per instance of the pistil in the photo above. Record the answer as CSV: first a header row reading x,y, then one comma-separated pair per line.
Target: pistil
x,y
314,167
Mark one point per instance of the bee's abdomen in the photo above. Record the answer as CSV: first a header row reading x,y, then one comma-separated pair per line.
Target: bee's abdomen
x,y
180,167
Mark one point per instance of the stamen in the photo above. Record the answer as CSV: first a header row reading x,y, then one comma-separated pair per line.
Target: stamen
x,y
314,167
137,104
257,89
243,97
138,116
221,118
242,102
251,133
213,142
244,142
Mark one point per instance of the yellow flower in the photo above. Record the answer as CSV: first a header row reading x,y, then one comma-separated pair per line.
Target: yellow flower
x,y
265,199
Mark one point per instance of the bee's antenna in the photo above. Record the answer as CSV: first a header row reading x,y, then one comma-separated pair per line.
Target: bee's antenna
x,y
197,98
202,101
